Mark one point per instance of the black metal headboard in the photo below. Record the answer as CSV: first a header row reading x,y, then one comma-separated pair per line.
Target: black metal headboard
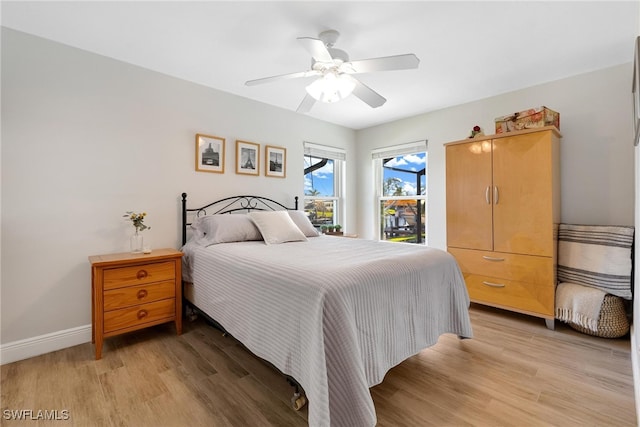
x,y
230,205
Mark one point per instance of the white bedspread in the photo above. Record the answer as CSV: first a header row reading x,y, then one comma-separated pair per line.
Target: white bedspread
x,y
334,313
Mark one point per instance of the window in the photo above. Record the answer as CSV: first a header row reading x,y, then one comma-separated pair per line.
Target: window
x,y
323,186
402,192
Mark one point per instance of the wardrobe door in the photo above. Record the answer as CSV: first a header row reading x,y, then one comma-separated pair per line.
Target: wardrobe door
x,y
522,194
469,210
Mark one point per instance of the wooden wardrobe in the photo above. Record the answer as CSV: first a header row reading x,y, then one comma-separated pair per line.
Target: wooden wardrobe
x,y
503,210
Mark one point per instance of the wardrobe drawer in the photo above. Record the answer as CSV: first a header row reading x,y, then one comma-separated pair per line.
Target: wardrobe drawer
x,y
140,294
138,274
514,267
138,316
522,296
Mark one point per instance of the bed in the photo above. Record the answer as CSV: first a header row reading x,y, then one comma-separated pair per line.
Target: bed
x,y
333,313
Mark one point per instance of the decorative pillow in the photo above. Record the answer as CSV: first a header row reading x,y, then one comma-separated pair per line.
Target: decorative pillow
x,y
598,256
277,227
225,228
302,221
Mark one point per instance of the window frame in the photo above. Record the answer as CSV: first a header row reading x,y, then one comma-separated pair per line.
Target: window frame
x,y
378,157
338,156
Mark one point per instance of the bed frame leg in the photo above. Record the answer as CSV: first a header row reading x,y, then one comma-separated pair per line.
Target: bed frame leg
x,y
190,313
298,400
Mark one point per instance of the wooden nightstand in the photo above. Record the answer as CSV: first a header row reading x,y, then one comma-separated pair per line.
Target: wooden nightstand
x,y
134,291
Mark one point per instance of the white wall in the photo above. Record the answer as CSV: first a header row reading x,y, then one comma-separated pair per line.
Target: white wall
x,y
635,337
597,171
86,138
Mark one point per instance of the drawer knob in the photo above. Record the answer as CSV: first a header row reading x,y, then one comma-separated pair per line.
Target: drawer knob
x,y
490,258
142,274
142,314
142,293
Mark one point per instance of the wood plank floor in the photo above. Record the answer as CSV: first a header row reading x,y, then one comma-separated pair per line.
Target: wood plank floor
x,y
514,372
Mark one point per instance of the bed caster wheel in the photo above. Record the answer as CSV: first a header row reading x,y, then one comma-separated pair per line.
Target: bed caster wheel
x,y
298,401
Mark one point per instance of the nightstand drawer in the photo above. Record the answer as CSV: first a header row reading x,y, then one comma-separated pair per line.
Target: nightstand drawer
x,y
139,315
140,294
138,274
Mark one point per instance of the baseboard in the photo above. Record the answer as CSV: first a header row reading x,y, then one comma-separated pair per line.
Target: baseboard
x,y
30,347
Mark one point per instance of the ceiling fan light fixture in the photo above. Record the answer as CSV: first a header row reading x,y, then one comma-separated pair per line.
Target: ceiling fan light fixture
x,y
331,87
336,72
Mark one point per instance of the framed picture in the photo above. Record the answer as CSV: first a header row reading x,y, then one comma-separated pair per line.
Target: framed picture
x,y
275,161
209,153
247,158
635,88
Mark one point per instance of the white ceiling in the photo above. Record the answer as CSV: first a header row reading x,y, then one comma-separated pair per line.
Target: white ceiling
x,y
467,50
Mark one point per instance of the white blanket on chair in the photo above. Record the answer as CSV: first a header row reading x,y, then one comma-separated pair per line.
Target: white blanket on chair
x,y
579,304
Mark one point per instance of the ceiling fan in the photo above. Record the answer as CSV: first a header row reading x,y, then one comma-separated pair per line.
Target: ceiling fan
x,y
334,72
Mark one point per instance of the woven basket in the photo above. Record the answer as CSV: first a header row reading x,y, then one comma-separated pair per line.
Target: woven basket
x,y
612,322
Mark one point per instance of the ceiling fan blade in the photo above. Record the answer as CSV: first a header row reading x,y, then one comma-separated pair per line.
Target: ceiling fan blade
x,y
387,63
316,48
306,104
309,73
366,94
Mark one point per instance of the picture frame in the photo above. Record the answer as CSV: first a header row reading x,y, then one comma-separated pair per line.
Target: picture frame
x,y
635,89
247,158
275,161
210,153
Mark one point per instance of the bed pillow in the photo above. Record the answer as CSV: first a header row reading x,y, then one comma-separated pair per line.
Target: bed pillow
x,y
302,221
225,228
277,227
598,256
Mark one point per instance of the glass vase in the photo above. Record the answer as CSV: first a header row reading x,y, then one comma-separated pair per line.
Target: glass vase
x,y
137,242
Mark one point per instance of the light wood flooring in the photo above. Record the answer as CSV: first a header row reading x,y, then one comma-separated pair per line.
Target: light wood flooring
x,y
514,372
